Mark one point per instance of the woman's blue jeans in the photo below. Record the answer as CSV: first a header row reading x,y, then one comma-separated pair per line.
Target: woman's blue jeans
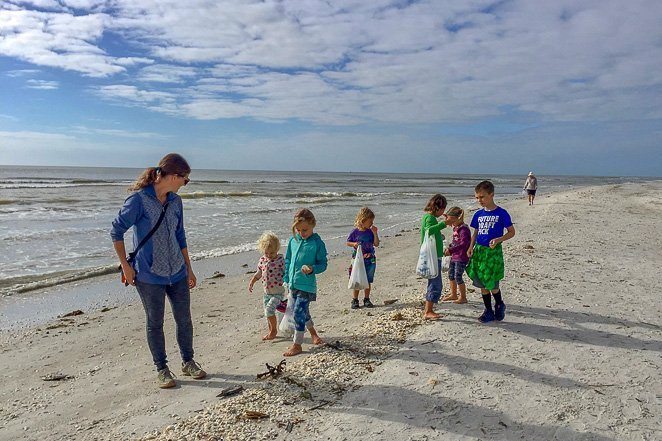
x,y
153,300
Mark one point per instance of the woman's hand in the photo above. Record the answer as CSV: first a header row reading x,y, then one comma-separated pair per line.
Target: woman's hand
x,y
250,285
306,269
470,252
129,274
447,252
192,281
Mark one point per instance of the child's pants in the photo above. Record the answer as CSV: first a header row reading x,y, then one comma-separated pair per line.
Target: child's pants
x,y
456,270
302,317
271,301
434,286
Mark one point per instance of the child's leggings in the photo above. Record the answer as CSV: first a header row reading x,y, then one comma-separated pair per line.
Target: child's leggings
x,y
302,317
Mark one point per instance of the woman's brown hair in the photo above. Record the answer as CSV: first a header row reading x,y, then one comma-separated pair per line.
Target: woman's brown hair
x,y
435,203
303,215
170,164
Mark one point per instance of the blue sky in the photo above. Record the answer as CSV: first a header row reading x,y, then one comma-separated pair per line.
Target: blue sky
x,y
470,86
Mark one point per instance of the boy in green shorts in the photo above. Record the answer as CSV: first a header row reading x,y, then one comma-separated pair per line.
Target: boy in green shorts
x,y
486,265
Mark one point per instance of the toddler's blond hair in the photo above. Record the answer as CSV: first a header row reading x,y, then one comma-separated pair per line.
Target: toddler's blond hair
x,y
363,214
268,242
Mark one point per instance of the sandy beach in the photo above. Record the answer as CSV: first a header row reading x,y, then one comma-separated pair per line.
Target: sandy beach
x,y
578,356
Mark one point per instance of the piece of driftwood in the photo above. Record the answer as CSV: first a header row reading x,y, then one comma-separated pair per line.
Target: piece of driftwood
x,y
273,371
290,424
73,313
56,377
255,415
217,275
390,302
429,341
322,404
231,391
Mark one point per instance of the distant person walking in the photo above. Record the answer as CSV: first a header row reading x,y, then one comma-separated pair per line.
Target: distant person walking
x,y
161,266
530,186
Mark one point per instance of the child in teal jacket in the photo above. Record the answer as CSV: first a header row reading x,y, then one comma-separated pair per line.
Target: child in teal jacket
x,y
305,257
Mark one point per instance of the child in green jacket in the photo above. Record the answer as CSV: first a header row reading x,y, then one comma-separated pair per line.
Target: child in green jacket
x,y
434,208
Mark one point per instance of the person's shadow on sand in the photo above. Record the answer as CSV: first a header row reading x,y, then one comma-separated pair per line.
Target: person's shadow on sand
x,y
434,354
574,318
573,332
442,414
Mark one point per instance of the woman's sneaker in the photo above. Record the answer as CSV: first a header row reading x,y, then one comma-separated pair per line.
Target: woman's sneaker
x,y
486,316
166,379
367,303
193,369
355,303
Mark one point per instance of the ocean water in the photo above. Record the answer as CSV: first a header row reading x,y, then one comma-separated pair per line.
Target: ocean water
x,y
55,221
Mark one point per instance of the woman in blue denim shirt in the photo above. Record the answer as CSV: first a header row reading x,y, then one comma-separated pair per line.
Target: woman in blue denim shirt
x,y
162,266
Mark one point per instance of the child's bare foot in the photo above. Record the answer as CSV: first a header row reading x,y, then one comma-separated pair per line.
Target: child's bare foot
x,y
461,300
317,340
270,336
295,349
448,297
431,316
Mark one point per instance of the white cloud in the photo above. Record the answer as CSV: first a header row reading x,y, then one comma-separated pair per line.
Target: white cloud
x,y
8,137
42,4
21,72
84,130
58,39
134,95
42,84
163,73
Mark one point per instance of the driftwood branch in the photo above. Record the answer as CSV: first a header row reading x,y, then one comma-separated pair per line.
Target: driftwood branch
x,y
273,371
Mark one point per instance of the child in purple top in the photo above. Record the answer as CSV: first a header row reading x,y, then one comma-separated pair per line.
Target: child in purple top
x,y
364,239
458,251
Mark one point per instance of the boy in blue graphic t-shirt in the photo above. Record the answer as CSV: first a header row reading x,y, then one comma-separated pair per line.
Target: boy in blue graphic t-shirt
x,y
486,267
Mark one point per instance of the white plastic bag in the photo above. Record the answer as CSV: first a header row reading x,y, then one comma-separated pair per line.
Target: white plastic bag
x,y
287,324
358,279
427,266
445,263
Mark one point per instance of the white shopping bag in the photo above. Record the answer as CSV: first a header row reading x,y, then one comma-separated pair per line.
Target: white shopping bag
x,y
445,263
287,325
358,279
427,266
